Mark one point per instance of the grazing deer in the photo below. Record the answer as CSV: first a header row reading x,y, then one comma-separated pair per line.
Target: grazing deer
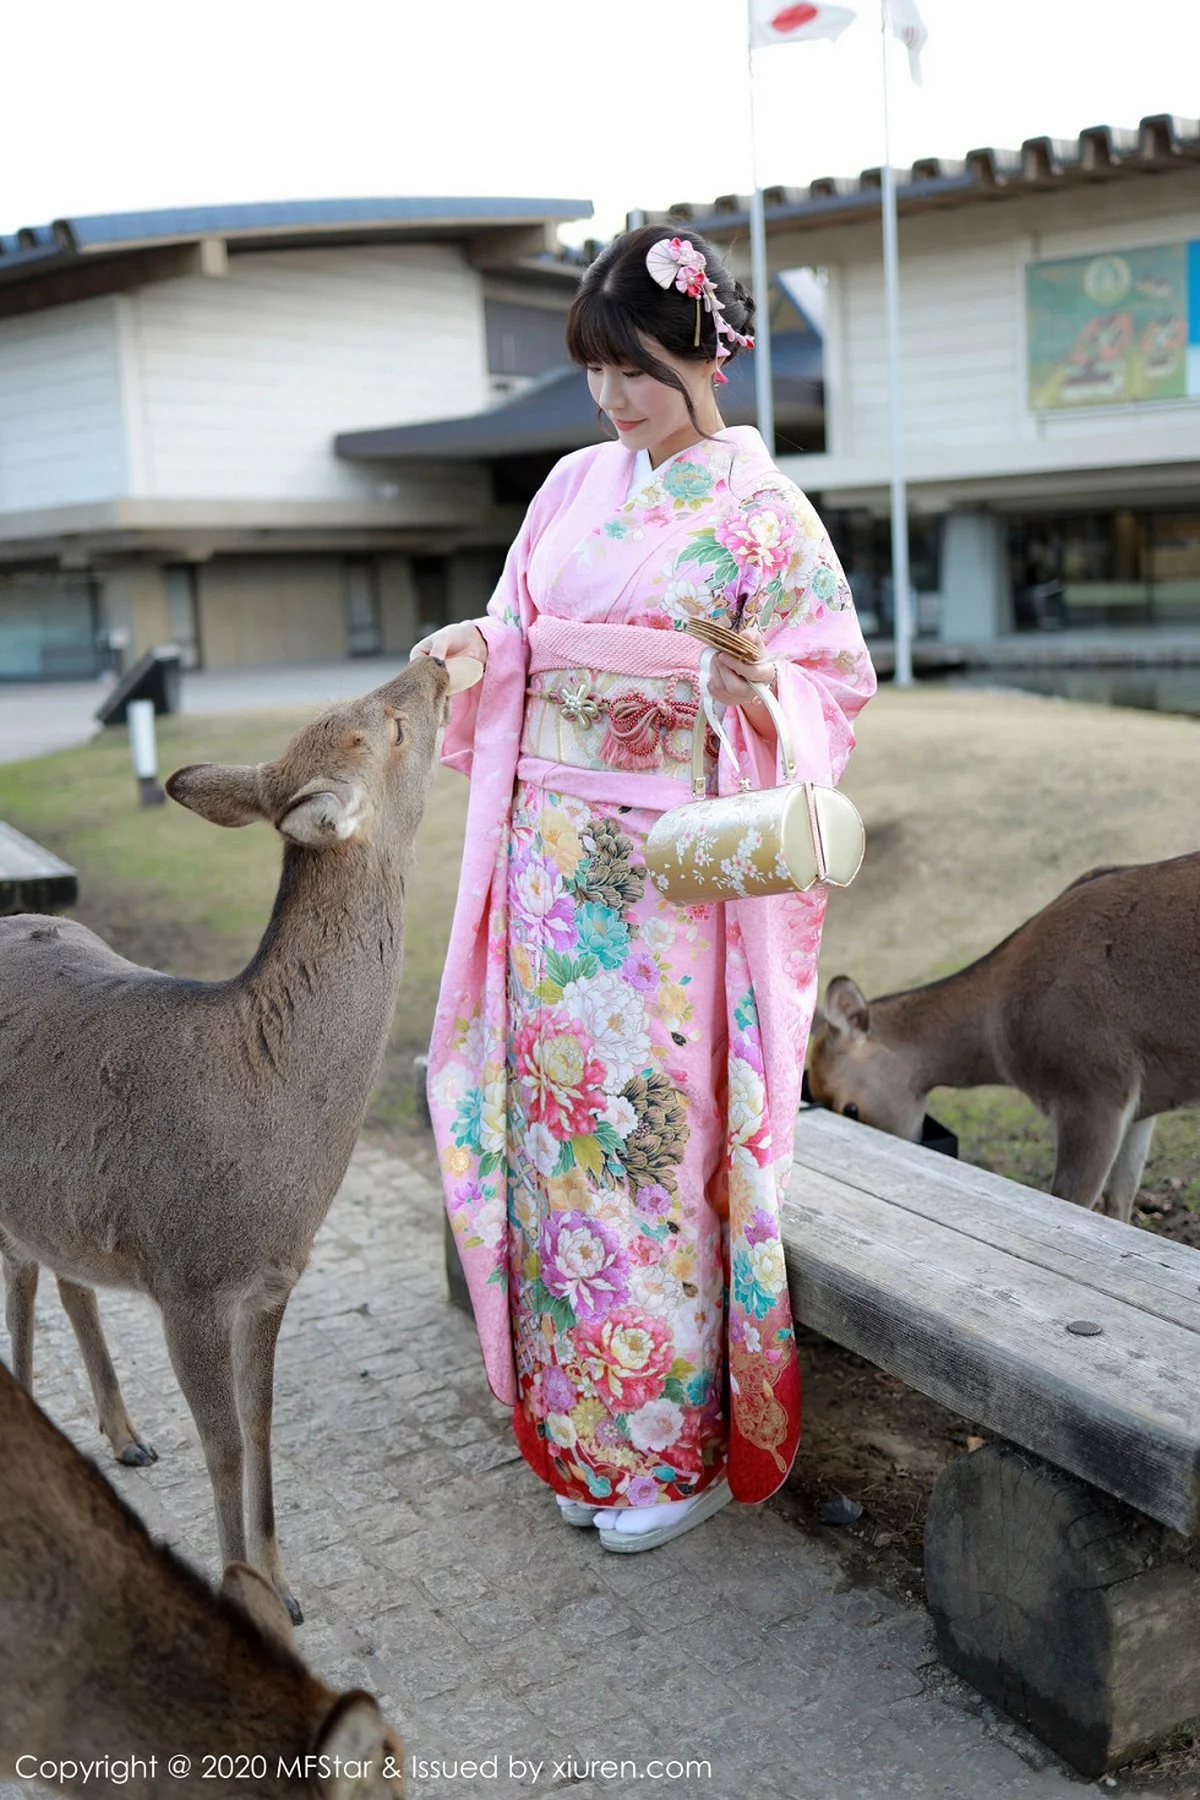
x,y
1091,1008
112,1649
185,1138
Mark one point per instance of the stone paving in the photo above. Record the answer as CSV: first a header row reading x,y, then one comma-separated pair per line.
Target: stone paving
x,y
433,1568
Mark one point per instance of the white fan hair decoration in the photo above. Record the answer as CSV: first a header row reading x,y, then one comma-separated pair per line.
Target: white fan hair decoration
x,y
674,262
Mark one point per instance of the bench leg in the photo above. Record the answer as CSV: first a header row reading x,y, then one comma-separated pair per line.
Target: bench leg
x,y
456,1281
1074,1613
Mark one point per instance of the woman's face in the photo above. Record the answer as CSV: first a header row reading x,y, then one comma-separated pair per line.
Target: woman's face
x,y
649,415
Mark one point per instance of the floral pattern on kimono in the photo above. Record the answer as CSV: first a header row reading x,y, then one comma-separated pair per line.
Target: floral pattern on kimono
x,y
617,1300
587,1097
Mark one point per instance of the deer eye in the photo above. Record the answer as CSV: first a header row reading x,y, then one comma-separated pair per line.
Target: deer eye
x,y
850,1110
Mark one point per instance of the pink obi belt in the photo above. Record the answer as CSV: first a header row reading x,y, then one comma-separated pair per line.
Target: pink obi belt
x,y
611,696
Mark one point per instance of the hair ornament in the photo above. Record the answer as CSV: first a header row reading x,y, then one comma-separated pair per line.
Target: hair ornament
x,y
674,262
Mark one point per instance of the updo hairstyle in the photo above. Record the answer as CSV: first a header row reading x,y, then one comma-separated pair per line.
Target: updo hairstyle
x,y
619,301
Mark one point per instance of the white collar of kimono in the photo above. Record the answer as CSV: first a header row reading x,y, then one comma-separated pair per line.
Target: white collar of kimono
x,y
743,439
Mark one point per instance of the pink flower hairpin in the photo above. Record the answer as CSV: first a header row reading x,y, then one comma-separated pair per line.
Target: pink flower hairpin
x,y
674,262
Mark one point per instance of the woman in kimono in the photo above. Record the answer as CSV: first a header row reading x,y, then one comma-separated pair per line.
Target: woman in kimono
x,y
614,1078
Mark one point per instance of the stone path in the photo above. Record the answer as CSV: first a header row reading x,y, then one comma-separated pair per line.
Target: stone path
x,y
433,1568
38,717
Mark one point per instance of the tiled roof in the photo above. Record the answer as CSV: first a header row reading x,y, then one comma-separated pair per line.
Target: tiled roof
x,y
1101,153
556,413
38,247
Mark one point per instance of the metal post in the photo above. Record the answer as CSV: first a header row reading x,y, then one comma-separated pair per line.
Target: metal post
x,y
901,622
139,715
760,281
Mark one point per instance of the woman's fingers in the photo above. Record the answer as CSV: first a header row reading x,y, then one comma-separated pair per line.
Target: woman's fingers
x,y
453,640
733,683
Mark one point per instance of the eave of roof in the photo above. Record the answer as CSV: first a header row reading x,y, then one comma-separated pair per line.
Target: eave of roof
x,y
1101,153
39,247
556,412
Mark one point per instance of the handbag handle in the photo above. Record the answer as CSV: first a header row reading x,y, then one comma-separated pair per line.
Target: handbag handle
x,y
705,715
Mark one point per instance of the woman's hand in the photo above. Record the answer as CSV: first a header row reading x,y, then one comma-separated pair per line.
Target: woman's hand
x,y
463,639
736,683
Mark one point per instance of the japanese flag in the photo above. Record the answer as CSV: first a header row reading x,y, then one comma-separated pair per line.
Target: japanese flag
x,y
786,22
908,25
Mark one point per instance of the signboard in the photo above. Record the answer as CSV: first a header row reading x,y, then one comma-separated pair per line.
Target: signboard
x,y
1120,327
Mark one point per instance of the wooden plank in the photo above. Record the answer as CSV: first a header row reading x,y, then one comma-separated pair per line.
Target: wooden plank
x,y
984,1332
21,858
32,879
1107,1260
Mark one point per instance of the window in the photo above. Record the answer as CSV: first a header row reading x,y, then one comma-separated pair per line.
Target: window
x,y
179,581
364,631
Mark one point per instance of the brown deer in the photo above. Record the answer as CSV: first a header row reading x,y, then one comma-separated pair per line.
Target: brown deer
x,y
185,1138
1091,1008
112,1651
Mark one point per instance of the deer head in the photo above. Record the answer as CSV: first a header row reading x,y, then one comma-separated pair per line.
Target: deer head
x,y
852,1070
359,774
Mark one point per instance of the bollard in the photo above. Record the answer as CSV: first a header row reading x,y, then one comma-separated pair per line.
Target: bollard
x,y
140,716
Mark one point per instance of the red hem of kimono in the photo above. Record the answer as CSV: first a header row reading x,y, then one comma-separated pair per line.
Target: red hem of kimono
x,y
753,1474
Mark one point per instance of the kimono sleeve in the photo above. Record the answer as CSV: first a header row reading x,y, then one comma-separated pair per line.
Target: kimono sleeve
x,y
504,627
800,599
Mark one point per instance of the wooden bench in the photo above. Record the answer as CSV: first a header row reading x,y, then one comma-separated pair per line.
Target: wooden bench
x,y
31,879
1062,1563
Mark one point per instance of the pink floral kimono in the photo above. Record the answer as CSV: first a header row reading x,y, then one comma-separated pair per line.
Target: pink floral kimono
x,y
614,1079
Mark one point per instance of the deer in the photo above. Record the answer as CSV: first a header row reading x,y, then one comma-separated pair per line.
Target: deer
x,y
113,1649
184,1139
1091,1009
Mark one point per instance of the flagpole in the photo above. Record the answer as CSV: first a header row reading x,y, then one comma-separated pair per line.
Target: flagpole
x,y
901,622
759,279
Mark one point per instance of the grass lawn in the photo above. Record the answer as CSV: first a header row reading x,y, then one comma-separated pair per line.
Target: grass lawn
x,y
168,889
979,808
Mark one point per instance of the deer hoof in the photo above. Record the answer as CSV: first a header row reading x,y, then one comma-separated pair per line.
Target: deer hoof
x,y
137,1455
293,1608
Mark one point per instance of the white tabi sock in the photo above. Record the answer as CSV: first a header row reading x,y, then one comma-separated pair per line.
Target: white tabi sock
x,y
632,1520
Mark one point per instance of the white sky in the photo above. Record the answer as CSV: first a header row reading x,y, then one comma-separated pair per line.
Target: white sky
x,y
149,103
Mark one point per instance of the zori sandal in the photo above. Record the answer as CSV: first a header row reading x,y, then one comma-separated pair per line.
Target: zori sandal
x,y
702,1507
574,1512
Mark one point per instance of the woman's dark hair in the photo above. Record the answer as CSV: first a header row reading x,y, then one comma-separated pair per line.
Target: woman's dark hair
x,y
619,302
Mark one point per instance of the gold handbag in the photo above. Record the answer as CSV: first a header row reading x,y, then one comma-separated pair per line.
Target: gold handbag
x,y
758,841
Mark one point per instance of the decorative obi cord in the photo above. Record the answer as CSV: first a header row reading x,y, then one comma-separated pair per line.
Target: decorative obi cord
x,y
611,697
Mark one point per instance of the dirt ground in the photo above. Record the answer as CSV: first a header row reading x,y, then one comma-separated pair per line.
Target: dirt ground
x,y
979,808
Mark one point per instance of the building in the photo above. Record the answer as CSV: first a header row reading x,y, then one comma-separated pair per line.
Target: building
x,y
1050,327
171,385
515,443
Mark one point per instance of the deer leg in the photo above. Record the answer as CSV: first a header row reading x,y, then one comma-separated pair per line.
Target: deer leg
x,y
1125,1175
20,1292
81,1307
255,1336
1089,1137
198,1343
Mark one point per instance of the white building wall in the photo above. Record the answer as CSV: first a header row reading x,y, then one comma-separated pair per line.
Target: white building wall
x,y
960,350
963,353
61,435
237,385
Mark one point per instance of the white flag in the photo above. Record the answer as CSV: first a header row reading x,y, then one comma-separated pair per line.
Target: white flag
x,y
785,22
908,25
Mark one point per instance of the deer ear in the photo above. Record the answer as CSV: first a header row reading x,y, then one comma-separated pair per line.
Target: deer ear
x,y
326,815
224,796
353,1734
846,1008
254,1596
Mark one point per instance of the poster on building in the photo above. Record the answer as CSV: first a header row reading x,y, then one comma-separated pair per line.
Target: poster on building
x,y
1115,328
